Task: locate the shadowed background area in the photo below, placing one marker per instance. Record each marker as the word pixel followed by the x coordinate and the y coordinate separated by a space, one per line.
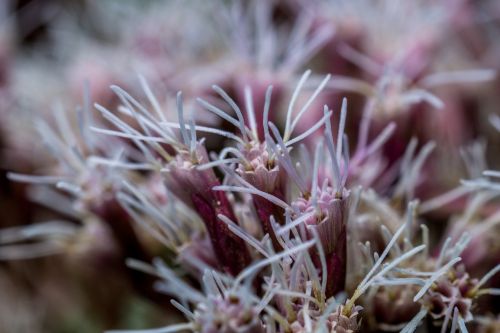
pixel 426 66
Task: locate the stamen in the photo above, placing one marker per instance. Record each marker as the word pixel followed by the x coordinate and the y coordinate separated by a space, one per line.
pixel 30 251
pixel 236 109
pixel 415 96
pixel 63 126
pixel 398 282
pixel 53 229
pixel 236 152
pixel 345 152
pixel 84 116
pixel 362 61
pixel 70 188
pixel 285 159
pixel 486 277
pixel 331 149
pixel 188 314
pixel 32 179
pixel 314 186
pixel 491 173
pixel 306 107
pixel 141 267
pixel 295 95
pixel 244 235
pixel 152 99
pixel 364 128
pixel 434 277
pixel 381 139
pixel 250 270
pixel 183 290
pixel 383 256
pixel 495 121
pixel 216 163
pixel 254 191
pixel 443 199
pixel 125 128
pixel 442 253
pixel 340 133
pixel 290 225
pixel 166 237
pixel 166 329
pixel 193 141
pixel 182 125
pixel 310 131
pixel 489 291
pixel 210 130
pixel 466 76
pixel 267 104
pixel 413 324
pixel 96 160
pixel 322 259
pixel 222 114
pixel 129 136
pixel 461 325
pixel 251 112
pixel 301 54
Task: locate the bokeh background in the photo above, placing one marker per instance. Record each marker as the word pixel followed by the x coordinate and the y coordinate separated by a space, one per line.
pixel 54 52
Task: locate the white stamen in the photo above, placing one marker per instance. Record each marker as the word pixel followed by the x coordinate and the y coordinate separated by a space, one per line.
pixel 96 160
pixel 383 256
pixel 31 179
pixel 188 314
pixel 30 251
pixel 310 130
pixel 166 329
pixel 415 96
pixel 235 107
pixel 216 163
pixel 443 199
pixel 267 105
pixel 244 235
pixel 69 187
pixel 362 61
pixel 251 112
pixel 331 149
pixel 210 130
pixel 434 277
pixel 222 114
pixel 193 140
pixel 465 76
pixel 381 139
pixel 285 158
pixel 461 325
pixel 127 135
pixel 314 186
pixel 413 324
pixel 295 95
pixel 125 128
pixel 489 291
pixel 255 191
pixel 487 276
pixel 306 107
pixel 340 134
pixel 398 282
pixel 250 270
pixel 495 121
pixel 180 112
pixel 182 289
pixel 491 173
pixel 290 225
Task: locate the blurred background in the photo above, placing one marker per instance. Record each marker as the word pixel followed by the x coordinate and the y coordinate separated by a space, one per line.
pixel 57 56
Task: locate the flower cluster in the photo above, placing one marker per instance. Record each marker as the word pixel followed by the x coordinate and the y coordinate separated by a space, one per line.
pixel 263 197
